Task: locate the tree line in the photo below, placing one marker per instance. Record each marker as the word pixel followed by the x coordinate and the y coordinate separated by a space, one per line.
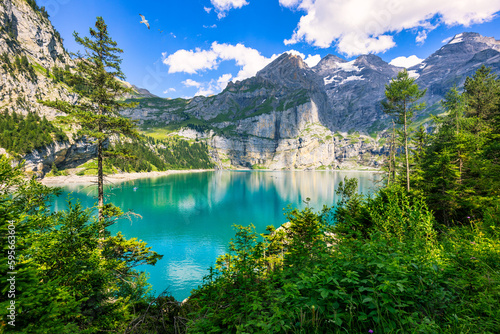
pixel 146 154
pixel 22 134
pixel 455 167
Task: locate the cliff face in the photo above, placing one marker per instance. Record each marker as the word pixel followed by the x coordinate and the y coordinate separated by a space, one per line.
pixel 27 32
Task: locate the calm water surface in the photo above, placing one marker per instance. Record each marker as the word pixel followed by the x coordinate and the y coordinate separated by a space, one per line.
pixel 188 217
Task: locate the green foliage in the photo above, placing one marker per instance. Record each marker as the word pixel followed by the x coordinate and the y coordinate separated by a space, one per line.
pixel 350 214
pixel 402 95
pixel 460 162
pixel 72 276
pixel 23 134
pixel 54 171
pixel 146 154
pixel 397 277
pixel 482 93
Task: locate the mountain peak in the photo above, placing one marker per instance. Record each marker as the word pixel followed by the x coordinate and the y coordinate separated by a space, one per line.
pixel 287 68
pixel 474 40
pixel 369 60
pixel 329 62
pixel 285 60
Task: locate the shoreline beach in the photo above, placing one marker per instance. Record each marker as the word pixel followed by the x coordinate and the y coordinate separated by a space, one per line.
pixel 113 178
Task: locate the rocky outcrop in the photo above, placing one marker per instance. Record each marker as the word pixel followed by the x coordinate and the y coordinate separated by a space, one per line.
pixel 28 33
pixel 61 154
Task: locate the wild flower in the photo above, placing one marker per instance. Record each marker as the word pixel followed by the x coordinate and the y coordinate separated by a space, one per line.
pixel 370 331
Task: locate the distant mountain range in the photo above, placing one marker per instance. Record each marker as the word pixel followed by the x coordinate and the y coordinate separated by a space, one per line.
pixel 269 119
pixel 287 116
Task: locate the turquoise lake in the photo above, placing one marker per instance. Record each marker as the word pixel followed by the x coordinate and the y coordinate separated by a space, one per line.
pixel 188 217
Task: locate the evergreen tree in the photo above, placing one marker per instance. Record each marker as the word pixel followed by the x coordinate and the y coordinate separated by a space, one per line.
pixel 401 96
pixel 482 93
pixel 96 81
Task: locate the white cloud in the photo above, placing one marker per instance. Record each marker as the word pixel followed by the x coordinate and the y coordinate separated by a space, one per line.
pixel 191 83
pixel 368 26
pixel 312 61
pixel 289 3
pixel 223 80
pixel 406 61
pixel 223 6
pixel 421 37
pixel 249 60
pixel 212 26
pixel 204 92
pixel 168 90
pixel 191 61
pixel 208 9
pixel 214 86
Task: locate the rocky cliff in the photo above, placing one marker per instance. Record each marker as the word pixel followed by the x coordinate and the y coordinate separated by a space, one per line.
pixel 27 33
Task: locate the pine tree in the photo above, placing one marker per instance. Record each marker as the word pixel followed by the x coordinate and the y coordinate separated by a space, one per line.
pixel 401 96
pixel 482 93
pixel 96 81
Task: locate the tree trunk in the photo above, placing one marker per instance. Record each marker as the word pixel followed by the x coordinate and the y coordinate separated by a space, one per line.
pixel 392 156
pixel 405 133
pixel 100 169
pixel 100 179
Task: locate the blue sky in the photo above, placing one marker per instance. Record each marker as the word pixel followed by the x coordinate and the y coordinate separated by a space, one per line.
pixel 194 47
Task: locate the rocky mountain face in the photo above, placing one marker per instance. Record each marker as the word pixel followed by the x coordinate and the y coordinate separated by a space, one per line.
pixel 293 116
pixel 354 90
pixel 26 32
pixel 452 63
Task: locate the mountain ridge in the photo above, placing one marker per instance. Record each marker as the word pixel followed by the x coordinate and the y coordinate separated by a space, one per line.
pixel 263 120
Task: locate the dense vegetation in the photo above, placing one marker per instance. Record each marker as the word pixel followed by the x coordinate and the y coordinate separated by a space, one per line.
pixel 70 275
pixel 22 134
pixel 146 154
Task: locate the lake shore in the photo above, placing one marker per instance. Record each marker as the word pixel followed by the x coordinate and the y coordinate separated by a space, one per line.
pixel 74 179
pixel 113 178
